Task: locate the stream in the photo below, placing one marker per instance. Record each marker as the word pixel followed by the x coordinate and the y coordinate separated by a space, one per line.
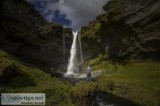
pixel 103 98
pixel 108 99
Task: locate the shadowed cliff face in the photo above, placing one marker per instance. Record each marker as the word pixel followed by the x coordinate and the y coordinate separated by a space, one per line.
pixel 25 34
pixel 128 30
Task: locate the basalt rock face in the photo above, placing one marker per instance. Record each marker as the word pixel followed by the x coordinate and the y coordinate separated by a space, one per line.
pixel 129 30
pixel 27 35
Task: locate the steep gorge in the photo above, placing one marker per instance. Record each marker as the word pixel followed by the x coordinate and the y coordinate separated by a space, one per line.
pixel 128 31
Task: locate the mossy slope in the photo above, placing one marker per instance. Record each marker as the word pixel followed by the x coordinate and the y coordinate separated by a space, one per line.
pixel 22 78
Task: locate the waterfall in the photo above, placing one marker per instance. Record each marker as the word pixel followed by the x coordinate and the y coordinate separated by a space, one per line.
pixel 75 55
pixel 72 61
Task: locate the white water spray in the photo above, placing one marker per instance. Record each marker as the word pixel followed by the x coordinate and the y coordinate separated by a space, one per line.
pixel 75 56
pixel 72 61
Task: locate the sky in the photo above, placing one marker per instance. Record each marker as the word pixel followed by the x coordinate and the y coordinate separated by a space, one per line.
pixel 70 13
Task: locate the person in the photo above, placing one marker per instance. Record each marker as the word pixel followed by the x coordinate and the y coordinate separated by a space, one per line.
pixel 88 72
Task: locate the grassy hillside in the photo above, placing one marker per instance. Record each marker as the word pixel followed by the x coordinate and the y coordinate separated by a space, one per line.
pixel 16 76
pixel 138 82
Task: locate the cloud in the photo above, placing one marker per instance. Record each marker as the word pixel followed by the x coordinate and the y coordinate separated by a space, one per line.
pixel 79 12
pixel 82 11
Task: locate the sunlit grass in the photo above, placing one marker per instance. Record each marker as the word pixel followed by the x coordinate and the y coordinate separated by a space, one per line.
pixel 138 82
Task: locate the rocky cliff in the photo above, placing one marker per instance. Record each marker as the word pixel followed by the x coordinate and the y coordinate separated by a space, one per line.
pixel 25 34
pixel 129 30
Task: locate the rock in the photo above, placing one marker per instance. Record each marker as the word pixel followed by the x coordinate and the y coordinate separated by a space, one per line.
pixel 129 30
pixel 61 68
pixel 30 38
pixel 70 76
pixel 57 74
pixel 8 74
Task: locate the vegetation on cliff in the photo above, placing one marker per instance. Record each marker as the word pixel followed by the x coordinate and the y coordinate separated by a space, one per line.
pixel 29 37
pixel 129 30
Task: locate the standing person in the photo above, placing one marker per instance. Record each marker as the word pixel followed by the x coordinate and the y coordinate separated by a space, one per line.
pixel 88 72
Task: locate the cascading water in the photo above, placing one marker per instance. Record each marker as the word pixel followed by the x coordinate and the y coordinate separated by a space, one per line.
pixel 72 61
pixel 75 52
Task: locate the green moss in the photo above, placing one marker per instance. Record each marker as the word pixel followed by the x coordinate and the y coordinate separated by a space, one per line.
pixel 68 32
pixel 91 31
pixel 29 79
pixel 105 83
pixel 49 27
pixel 49 31
pixel 100 63
pixel 92 63
pixel 116 9
pixel 84 93
pixel 83 89
pixel 102 18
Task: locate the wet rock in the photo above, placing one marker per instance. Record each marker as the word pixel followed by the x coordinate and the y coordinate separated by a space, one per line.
pixel 57 74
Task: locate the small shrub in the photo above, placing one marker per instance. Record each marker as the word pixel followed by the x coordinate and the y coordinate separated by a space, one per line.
pixel 105 84
pixel 84 89
pixel 84 93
